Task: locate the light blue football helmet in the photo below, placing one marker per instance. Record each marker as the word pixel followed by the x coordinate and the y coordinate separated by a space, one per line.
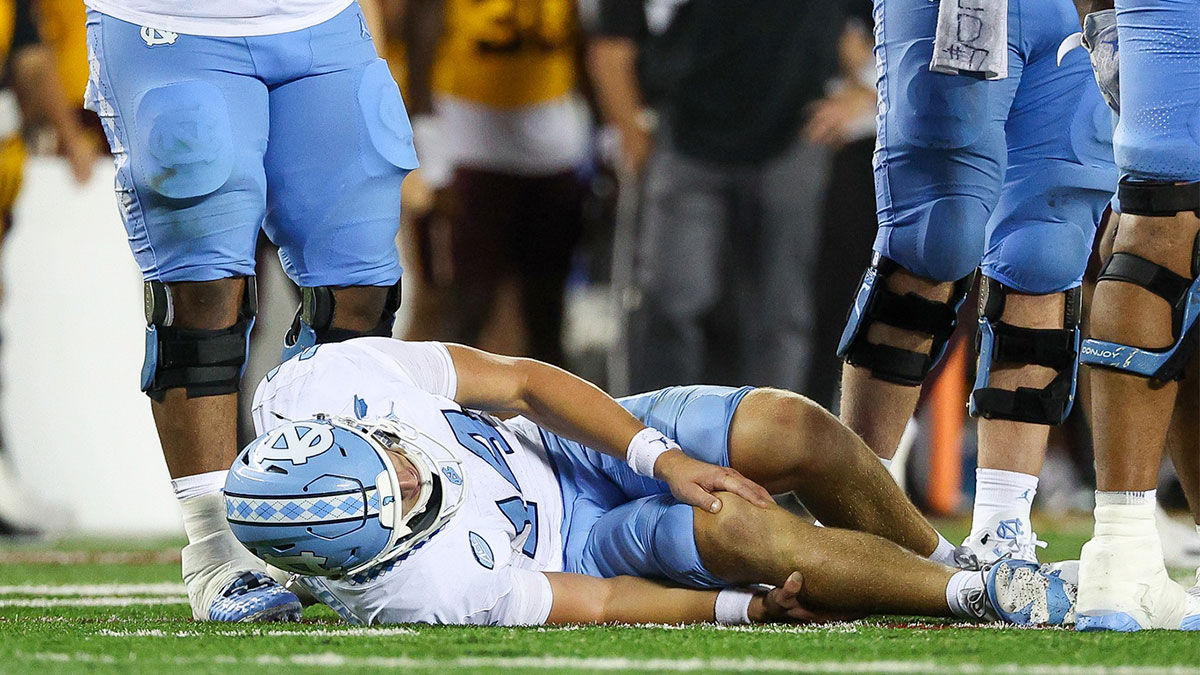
pixel 321 497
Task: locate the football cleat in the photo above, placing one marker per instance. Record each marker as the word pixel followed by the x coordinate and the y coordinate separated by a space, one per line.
pixel 1191 620
pixel 1124 587
pixel 255 597
pixel 1005 536
pixel 1022 593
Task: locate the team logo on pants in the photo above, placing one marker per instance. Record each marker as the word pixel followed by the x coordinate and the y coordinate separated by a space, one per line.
pixel 155 37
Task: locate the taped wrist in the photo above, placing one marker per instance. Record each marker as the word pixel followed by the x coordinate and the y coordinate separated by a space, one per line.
pixel 733 606
pixel 645 448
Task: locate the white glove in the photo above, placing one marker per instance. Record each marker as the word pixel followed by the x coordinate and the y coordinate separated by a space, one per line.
pixel 1099 38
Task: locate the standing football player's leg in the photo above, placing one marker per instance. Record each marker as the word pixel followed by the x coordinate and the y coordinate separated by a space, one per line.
pixel 787 443
pixel 1183 444
pixel 939 168
pixel 1060 179
pixel 1143 327
pixel 339 148
pixel 1183 437
pixel 187 126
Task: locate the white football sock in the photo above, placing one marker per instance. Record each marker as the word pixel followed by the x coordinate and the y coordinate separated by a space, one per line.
pixel 1002 492
pixel 199 485
pixel 963 587
pixel 1197 586
pixel 1126 513
pixel 213 555
pixel 944 553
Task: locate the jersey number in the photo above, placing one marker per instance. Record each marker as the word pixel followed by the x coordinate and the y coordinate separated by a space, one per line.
pixel 485 442
pixel 516 24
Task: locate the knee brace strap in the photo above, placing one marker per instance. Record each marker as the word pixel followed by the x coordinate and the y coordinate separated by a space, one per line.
pixel 1158 199
pixel 204 362
pixel 1056 348
pixel 875 303
pixel 314 320
pixel 1184 297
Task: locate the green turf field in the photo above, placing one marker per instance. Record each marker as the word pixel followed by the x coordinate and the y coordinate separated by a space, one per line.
pixel 118 607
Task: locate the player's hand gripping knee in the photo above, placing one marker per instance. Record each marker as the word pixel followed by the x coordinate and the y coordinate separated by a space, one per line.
pixel 694 482
pixel 782 605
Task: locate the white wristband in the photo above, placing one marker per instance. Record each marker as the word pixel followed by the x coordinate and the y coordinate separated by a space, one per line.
pixel 733 606
pixel 645 449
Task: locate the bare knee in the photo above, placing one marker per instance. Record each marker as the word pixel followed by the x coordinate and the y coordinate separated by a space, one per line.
pixel 206 305
pixel 787 432
pixel 359 308
pixel 723 538
pixel 744 543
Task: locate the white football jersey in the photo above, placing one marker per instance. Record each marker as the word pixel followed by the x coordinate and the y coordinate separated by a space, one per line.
pixel 485 566
pixel 222 18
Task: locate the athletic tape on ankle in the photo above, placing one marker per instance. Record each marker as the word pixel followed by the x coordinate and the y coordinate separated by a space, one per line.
pixel 199 485
pixel 733 606
pixel 645 448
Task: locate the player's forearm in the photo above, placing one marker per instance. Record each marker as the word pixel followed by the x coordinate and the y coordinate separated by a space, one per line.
pixel 612 64
pixel 424 21
pixel 40 92
pixel 583 599
pixel 576 409
pixel 553 398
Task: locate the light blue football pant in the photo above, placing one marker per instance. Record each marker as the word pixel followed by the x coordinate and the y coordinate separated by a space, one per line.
pixel 1158 136
pixel 1009 175
pixel 302 134
pixel 616 522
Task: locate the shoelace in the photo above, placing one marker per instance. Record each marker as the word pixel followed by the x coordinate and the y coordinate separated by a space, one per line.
pixel 1015 547
pixel 245 582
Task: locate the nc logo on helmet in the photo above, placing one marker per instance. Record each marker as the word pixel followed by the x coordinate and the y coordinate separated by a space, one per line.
pixel 295 443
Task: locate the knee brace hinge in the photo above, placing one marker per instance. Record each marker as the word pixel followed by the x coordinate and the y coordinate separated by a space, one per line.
pixel 314 319
pixel 1181 293
pixel 875 303
pixel 1056 348
pixel 204 362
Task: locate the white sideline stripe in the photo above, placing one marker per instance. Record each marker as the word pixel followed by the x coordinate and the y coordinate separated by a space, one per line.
pixel 95 589
pixel 320 632
pixel 100 601
pixel 330 659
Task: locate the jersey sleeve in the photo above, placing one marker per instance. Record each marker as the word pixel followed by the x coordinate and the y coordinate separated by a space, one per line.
pixel 427 364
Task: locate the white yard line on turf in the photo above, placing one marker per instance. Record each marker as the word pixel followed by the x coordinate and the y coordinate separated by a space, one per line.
pixel 100 601
pixel 94 589
pixel 329 659
pixel 318 632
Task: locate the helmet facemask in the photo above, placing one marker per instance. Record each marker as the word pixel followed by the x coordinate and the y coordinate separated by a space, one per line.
pixel 388 435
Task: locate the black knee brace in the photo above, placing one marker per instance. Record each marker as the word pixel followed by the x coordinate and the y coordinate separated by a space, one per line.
pixel 1056 348
pixel 875 303
pixel 1183 294
pixel 204 362
pixel 314 319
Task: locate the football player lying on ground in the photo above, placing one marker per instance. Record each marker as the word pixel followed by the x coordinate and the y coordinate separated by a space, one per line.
pixel 379 483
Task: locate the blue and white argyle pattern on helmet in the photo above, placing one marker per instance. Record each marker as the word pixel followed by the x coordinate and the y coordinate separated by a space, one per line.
pixel 307 496
pixel 289 510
